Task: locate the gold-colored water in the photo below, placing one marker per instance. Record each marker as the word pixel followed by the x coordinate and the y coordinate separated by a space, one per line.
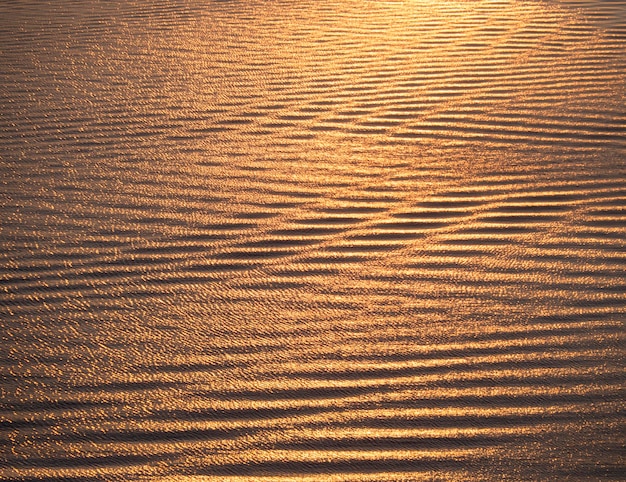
pixel 317 240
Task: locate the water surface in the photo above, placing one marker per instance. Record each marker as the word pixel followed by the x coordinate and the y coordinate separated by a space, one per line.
pixel 316 240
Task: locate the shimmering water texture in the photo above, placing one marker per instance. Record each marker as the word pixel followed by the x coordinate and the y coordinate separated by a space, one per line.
pixel 318 240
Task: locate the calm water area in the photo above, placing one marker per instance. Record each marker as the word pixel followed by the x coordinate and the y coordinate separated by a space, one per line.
pixel 321 240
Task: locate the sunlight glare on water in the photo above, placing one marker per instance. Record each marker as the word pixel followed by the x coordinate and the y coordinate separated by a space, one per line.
pixel 317 240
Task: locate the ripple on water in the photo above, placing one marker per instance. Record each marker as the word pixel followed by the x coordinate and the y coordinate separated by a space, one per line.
pixel 312 240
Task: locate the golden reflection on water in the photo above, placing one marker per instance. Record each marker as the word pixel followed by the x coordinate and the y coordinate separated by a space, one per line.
pixel 312 241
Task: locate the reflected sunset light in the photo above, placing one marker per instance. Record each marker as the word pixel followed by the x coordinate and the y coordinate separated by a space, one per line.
pixel 318 240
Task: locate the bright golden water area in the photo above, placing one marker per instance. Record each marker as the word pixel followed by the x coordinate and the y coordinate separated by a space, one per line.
pixel 318 240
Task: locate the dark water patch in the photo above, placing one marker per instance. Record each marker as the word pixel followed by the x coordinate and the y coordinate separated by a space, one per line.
pixel 58 478
pixel 197 237
pixel 577 317
pixel 121 386
pixel 300 137
pixel 271 107
pixel 380 123
pixel 556 198
pixel 334 220
pixel 606 223
pixel 54 405
pixel 475 241
pixel 443 214
pixel 386 236
pixel 532 208
pixel 616 274
pixel 279 243
pixel 366 131
pixel 593 303
pixel 34 424
pixel 569 244
pixel 296 117
pixel 534 381
pixel 340 466
pixel 149 436
pixel 369 200
pixel 302 194
pixel 307 231
pixel 454 253
pixel 257 215
pixel 305 393
pixel 593 472
pixel 519 219
pixel 411 225
pixel 234 122
pixel 360 248
pixel 513 400
pixel 306 271
pixel 498 230
pixel 576 259
pixel 353 210
pixel 599 234
pixel 324 128
pixel 399 116
pixel 272 286
pixel 228 226
pixel 396 443
pixel 189 367
pixel 272 126
pixel 172 249
pixel 237 414
pixel 450 204
pixel 221 267
pixel 210 130
pixel 117 460
pixel 382 189
pixel 481 421
pixel 258 132
pixel 335 260
pixel 252 255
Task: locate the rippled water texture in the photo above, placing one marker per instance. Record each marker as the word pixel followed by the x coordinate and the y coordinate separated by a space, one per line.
pixel 319 240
